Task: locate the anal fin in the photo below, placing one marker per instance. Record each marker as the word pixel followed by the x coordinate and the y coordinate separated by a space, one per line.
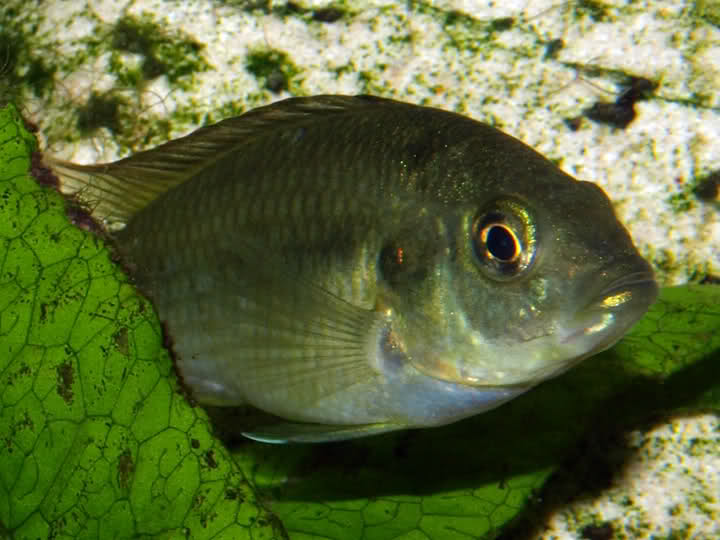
pixel 283 433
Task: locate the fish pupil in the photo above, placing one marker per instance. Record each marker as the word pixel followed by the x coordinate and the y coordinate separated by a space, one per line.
pixel 501 243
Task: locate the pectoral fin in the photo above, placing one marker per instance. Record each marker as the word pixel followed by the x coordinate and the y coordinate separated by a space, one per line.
pixel 271 339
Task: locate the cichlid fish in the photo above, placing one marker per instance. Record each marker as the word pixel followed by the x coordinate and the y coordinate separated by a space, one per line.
pixel 355 265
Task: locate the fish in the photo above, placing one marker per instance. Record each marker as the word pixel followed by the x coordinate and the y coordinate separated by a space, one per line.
pixel 354 265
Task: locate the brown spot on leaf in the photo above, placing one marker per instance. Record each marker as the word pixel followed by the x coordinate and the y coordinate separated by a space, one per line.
pixel 43 312
pixel 210 459
pixel 22 372
pixel 26 422
pixel 42 173
pixel 65 378
pixel 125 469
pixel 194 443
pixel 198 501
pixel 82 219
pixel 120 338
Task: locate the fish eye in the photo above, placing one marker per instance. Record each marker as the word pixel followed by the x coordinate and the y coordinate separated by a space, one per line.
pixel 501 242
pixel 504 241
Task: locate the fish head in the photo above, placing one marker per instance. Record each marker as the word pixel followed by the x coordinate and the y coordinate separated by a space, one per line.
pixel 533 273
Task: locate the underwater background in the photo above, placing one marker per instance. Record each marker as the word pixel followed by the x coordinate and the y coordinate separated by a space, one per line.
pixel 624 94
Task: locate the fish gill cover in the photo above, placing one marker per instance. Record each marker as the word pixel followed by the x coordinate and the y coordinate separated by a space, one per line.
pixel 96 441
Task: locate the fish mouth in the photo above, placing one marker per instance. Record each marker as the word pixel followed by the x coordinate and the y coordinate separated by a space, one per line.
pixel 613 311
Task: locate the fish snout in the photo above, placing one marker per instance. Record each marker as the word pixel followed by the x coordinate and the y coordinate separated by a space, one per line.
pixel 613 310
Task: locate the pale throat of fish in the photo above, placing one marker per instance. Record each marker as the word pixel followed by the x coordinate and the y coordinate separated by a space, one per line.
pixel 468 358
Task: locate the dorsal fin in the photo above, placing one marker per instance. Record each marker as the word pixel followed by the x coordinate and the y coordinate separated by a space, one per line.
pixel 115 191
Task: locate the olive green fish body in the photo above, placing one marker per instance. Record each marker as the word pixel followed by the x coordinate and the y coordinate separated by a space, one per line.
pixel 357 265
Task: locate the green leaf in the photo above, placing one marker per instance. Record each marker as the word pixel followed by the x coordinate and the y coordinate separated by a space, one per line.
pixel 96 440
pixel 470 479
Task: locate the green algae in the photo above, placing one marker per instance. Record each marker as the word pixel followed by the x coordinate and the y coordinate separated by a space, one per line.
pixel 274 69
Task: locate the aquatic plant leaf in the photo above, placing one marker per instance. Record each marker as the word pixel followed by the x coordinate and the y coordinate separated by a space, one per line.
pixel 96 441
pixel 470 479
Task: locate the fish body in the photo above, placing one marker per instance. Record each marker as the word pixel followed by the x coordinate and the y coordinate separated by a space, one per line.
pixel 353 265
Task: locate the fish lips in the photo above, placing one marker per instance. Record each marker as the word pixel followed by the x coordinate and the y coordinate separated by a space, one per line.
pixel 612 311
